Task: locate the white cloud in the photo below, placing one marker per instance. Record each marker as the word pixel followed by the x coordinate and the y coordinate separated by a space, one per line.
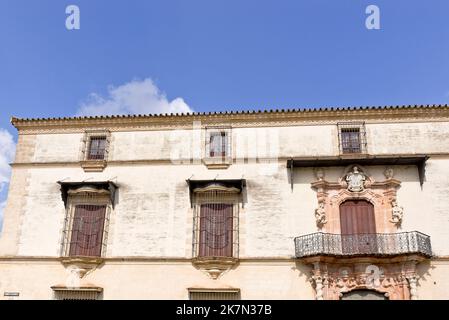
pixel 135 97
pixel 2 206
pixel 7 150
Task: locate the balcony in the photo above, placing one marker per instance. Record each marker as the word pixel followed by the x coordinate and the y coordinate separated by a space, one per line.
pixel 356 245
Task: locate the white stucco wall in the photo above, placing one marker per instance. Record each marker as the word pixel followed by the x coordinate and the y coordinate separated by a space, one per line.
pixel 296 141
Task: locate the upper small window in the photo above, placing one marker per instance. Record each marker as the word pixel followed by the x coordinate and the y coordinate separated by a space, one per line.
pixel 352 138
pixel 97 148
pixel 218 144
pixel 218 152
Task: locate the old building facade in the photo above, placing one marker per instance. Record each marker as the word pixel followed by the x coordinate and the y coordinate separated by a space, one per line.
pixel 283 204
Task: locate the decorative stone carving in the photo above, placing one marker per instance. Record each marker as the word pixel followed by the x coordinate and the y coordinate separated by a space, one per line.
pixel 355 180
pixel 320 215
pixel 389 173
pixel 333 193
pixel 214 267
pixel 374 273
pixel 396 213
pixel 319 174
pixel 319 294
pixel 332 279
pixel 79 267
pixel 413 281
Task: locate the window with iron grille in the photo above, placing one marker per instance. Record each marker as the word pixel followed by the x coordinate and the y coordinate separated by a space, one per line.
pixel 77 294
pixel 86 224
pixel 204 294
pixel 352 137
pixel 97 148
pixel 216 224
pixel 216 230
pixel 218 142
pixel 87 230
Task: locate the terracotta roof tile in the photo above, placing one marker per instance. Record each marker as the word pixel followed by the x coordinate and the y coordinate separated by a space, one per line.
pixel 15 120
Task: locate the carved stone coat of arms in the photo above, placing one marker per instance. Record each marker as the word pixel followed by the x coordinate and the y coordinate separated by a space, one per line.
pixel 355 180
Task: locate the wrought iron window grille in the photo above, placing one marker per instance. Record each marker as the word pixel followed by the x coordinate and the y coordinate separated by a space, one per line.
pixel 352 138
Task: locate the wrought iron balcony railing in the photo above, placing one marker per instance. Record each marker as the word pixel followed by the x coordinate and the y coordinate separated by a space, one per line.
pixel 378 244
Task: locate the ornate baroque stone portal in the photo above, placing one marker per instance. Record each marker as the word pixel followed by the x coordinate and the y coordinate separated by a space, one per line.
pixel 356 183
pixel 332 277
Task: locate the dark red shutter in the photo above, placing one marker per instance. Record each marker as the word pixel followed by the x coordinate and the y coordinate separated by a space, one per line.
pixel 211 145
pixel 87 230
pixel 358 227
pixel 224 144
pixel 216 230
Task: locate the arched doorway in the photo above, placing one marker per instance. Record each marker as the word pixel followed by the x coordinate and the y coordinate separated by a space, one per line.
pixel 363 295
pixel 358 227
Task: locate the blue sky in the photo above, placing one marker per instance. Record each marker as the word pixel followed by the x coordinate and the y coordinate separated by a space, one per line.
pixel 219 55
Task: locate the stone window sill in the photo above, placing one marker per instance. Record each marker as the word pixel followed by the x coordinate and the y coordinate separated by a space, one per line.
pixel 217 163
pixel 93 165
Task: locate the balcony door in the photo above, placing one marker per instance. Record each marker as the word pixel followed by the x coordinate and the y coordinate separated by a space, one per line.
pixel 358 227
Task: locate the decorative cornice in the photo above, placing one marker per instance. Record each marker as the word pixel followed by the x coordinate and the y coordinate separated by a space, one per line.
pixel 26 259
pixel 185 161
pixel 282 117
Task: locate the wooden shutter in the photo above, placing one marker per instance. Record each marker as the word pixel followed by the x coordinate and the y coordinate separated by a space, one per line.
pixel 356 217
pixel 224 143
pixel 212 145
pixel 358 227
pixel 87 230
pixel 216 230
